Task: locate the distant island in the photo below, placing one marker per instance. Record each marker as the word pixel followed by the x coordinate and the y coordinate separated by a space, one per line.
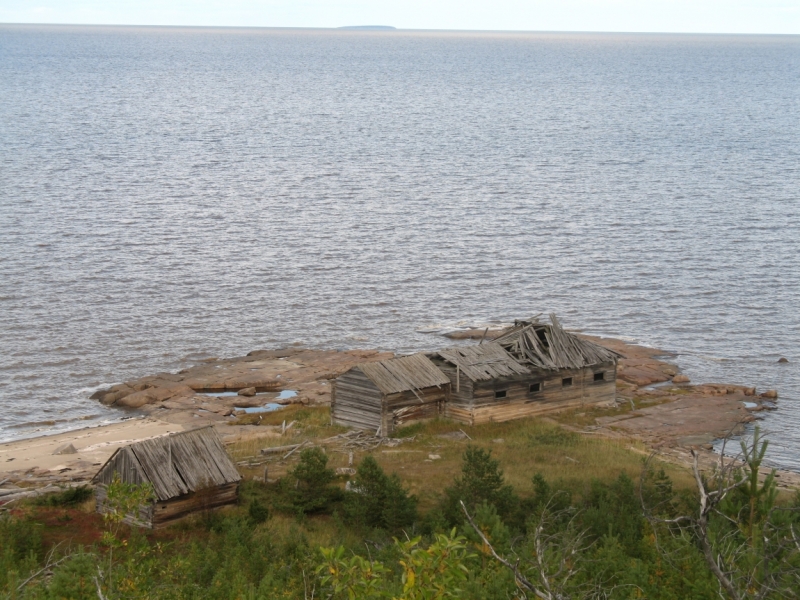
pixel 370 27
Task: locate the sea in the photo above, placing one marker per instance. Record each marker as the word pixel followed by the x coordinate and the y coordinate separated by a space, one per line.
pixel 171 194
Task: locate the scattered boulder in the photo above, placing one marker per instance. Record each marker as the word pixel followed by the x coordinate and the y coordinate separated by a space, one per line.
pixel 473 334
pixel 680 378
pixel 153 395
pixel 248 402
pixel 433 457
pixel 135 400
pixel 109 398
pixel 261 383
pixel 770 394
pixel 67 449
pixel 783 359
pixel 250 391
pixel 750 391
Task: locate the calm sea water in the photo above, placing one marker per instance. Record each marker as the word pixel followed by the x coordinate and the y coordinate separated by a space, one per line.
pixel 169 194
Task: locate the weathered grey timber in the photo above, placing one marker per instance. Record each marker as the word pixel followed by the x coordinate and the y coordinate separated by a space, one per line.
pixel 189 471
pixel 380 396
pixel 548 346
pixel 531 368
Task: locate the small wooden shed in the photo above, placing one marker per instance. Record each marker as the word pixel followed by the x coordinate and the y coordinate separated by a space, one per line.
pixel 381 396
pixel 531 368
pixel 190 471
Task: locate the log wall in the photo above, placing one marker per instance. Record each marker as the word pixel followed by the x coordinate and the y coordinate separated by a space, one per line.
pixel 460 385
pixel 161 514
pixel 165 513
pixel 407 407
pixel 520 402
pixel 356 401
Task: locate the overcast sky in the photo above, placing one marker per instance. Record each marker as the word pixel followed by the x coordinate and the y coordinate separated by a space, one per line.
pixel 708 16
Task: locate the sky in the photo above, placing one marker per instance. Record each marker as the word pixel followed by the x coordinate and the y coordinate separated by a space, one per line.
pixel 690 16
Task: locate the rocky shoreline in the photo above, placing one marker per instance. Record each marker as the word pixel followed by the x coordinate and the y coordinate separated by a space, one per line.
pixel 655 404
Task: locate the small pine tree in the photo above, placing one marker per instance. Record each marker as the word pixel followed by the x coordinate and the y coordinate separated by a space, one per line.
pixel 257 512
pixel 309 483
pixel 379 500
pixel 481 482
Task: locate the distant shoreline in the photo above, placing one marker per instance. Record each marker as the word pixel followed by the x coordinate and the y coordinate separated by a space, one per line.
pixel 369 28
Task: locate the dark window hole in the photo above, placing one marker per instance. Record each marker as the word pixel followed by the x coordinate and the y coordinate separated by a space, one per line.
pixel 566 382
pixel 599 376
pixel 535 387
pixel 500 394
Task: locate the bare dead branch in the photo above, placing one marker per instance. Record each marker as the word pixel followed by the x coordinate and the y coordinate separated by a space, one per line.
pixel 518 577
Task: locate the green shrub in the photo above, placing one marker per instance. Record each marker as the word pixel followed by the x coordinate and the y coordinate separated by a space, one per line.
pixel 614 510
pixel 257 512
pixel 20 548
pixel 308 488
pixel 378 500
pixel 75 579
pixel 68 497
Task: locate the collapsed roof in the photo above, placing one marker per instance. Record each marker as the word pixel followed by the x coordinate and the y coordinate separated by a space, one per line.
pixel 548 346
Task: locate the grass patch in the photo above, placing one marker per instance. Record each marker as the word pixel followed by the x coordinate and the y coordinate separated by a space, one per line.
pixel 523 447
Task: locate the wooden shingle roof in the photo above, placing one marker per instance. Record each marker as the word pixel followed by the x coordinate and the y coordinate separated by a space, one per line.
pixel 407 373
pixel 548 346
pixel 175 464
pixel 484 361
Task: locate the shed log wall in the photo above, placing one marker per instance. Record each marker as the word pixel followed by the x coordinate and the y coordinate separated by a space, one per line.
pixel 407 407
pixel 356 401
pixel 161 514
pixel 201 500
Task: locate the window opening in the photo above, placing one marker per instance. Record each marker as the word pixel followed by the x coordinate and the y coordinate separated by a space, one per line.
pixel 535 387
pixel 599 376
pixel 500 394
pixel 566 382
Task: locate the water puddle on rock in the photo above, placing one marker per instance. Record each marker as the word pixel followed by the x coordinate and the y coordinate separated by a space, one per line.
pixel 268 407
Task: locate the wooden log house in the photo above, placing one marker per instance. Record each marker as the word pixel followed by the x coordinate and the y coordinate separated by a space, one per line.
pixel 189 471
pixel 381 396
pixel 531 368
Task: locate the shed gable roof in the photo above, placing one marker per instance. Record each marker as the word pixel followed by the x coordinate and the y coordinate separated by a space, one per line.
pixel 407 373
pixel 548 346
pixel 484 361
pixel 179 463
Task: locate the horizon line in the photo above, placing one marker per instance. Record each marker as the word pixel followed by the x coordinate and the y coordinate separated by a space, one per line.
pixel 389 30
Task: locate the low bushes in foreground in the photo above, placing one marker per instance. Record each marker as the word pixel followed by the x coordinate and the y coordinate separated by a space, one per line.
pixel 307 538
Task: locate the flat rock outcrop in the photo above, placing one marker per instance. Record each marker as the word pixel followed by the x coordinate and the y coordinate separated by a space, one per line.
pixel 242 382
